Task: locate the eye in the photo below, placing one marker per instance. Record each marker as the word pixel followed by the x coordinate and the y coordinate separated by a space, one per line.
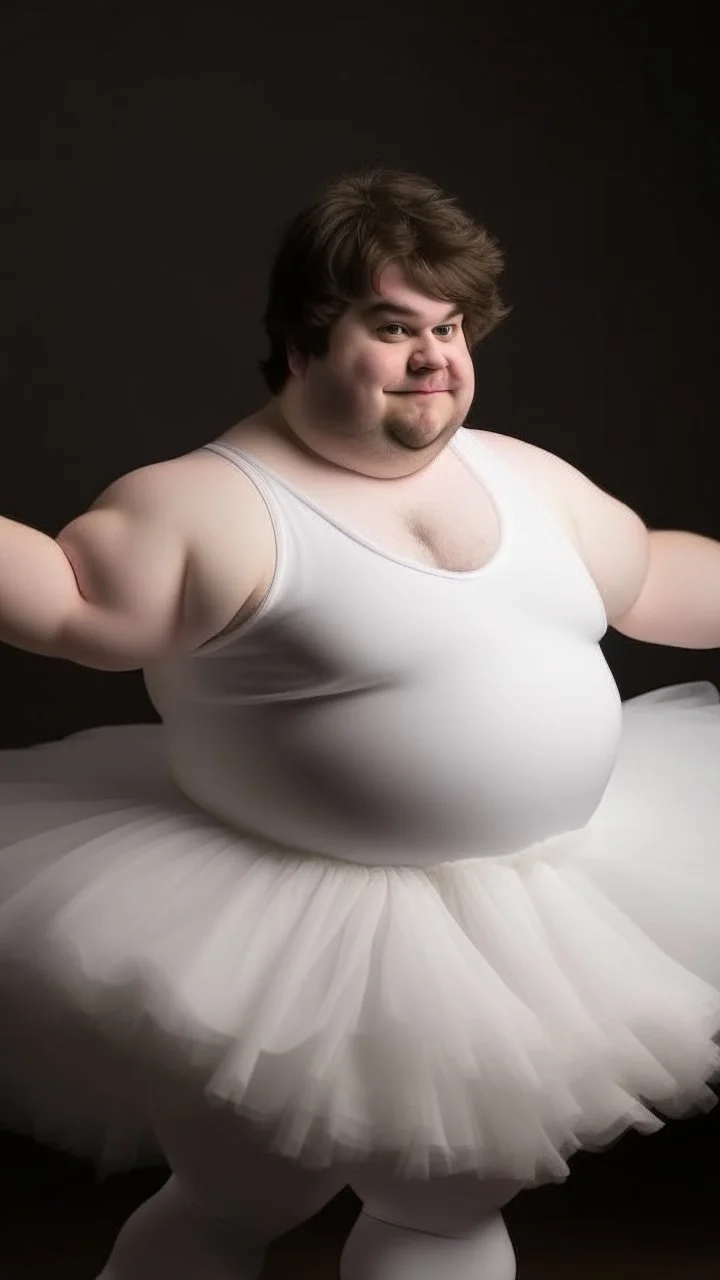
pixel 396 325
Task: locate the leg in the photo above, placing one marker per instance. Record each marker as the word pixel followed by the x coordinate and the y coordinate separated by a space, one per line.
pixel 414 1230
pixel 226 1200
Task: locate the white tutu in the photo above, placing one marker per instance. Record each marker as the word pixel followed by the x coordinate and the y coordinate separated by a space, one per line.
pixel 491 1014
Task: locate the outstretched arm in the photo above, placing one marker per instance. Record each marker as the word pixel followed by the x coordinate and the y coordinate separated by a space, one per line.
pixel 658 585
pixel 37 588
pixel 107 592
pixel 131 581
pixel 679 604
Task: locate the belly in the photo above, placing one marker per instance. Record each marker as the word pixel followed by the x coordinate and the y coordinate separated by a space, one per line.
pixel 457 767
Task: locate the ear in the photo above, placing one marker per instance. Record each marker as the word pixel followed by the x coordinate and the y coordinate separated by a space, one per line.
pixel 297 362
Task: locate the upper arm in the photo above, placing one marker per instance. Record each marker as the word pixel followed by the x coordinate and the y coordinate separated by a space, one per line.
pixel 129 558
pixel 615 544
pixel 611 537
pixel 164 561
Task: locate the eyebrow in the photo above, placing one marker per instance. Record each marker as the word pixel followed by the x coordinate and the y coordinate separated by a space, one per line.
pixel 385 307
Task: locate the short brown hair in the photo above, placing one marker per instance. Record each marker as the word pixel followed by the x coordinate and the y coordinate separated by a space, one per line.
pixel 334 250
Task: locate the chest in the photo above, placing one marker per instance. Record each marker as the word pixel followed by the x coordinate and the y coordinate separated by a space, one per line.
pixel 442 517
pixel 450 523
pixel 445 518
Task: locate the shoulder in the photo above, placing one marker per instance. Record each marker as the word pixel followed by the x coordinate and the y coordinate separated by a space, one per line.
pixel 195 496
pixel 161 486
pixel 550 475
pixel 611 537
pixel 534 462
pixel 200 505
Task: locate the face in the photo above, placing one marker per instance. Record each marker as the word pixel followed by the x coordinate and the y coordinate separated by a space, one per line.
pixel 394 387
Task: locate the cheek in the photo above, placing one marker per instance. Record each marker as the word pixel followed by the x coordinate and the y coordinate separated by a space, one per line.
pixel 376 369
pixel 464 368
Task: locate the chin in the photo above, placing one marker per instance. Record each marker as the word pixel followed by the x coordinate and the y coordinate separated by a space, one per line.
pixel 415 439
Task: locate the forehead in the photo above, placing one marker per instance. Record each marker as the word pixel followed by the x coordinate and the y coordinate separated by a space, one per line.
pixel 395 293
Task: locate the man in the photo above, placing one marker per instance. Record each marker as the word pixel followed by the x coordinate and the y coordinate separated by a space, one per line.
pixel 378 294
pixel 172 554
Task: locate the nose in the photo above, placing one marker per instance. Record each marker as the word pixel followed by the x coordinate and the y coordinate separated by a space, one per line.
pixel 428 354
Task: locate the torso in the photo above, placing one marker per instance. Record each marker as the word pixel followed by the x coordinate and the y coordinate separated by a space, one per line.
pixel 442 516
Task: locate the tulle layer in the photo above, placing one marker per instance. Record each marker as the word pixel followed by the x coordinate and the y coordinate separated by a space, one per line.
pixel 492 1015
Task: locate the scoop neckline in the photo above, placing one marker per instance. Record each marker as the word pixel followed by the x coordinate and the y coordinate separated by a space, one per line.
pixel 360 538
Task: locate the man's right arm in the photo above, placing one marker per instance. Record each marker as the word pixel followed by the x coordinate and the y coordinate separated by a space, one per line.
pixel 115 589
pixel 37 588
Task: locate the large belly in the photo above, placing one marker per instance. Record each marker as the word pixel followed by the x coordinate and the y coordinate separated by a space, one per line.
pixel 452 766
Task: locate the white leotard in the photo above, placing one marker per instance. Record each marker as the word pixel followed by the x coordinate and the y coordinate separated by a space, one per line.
pixel 383 711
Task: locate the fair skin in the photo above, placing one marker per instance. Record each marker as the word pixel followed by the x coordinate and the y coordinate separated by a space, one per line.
pixel 171 554
pixel 383 403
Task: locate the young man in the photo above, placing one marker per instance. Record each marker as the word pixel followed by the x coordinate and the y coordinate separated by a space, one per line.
pixel 416 929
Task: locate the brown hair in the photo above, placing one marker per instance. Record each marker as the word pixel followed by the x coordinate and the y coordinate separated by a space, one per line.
pixel 334 250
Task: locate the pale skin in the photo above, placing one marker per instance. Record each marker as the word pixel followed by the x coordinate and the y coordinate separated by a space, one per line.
pixel 171 554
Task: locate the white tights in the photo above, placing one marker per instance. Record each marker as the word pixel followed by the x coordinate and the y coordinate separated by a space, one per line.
pixel 228 1198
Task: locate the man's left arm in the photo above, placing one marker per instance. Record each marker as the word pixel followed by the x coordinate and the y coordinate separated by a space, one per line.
pixel 679 601
pixel 657 585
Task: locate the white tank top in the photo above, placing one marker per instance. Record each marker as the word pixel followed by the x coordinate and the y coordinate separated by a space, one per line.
pixel 383 711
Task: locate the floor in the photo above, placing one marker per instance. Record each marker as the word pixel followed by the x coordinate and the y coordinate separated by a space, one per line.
pixel 635 1213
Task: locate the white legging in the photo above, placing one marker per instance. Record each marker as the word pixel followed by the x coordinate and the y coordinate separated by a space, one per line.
pixel 228 1198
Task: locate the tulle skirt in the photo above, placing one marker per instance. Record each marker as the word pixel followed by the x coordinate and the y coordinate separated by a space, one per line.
pixel 488 1015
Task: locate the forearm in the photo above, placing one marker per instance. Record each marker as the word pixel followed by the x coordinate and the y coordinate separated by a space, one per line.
pixel 680 602
pixel 37 588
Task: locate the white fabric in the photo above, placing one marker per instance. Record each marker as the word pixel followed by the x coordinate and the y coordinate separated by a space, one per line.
pixel 169 1236
pixel 376 1250
pixel 460 1010
pixel 381 711
pixel 228 1198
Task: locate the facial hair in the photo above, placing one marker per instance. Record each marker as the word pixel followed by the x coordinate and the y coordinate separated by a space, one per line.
pixel 413 431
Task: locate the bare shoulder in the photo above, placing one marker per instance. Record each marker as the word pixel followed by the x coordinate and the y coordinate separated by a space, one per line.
pixel 535 462
pixel 549 476
pixel 198 497
pixel 549 468
pixel 183 486
pixel 209 509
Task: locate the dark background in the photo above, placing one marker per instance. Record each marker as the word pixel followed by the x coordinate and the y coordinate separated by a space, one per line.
pixel 151 155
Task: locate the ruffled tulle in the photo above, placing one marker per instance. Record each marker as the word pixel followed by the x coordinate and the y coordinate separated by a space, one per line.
pixel 491 1014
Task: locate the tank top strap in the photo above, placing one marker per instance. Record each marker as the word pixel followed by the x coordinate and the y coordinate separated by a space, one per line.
pixel 536 533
